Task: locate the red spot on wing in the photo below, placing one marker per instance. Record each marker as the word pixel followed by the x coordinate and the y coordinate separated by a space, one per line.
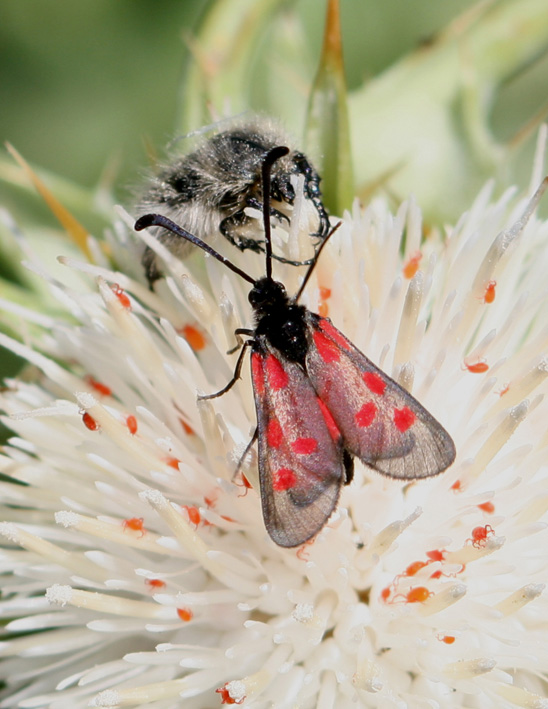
pixel 257 373
pixel 329 421
pixel 328 350
pixel 404 418
pixel 284 479
pixel 304 446
pixel 274 434
pixel 277 377
pixel 334 334
pixel 366 415
pixel 374 382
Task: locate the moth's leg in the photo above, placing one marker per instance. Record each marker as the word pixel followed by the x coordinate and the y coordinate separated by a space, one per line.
pixel 235 377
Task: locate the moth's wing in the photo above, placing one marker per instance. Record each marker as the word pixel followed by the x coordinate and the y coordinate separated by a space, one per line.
pixel 380 422
pixel 301 466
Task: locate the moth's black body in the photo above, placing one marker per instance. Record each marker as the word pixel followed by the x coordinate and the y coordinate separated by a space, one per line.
pixel 208 190
pixel 320 402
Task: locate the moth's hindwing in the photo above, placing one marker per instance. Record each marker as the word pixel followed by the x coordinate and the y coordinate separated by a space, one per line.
pixel 380 422
pixel 300 449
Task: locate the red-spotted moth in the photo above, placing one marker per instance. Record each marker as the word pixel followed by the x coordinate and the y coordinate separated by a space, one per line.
pixel 319 402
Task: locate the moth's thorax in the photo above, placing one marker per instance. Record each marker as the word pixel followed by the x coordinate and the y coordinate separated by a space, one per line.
pixel 278 320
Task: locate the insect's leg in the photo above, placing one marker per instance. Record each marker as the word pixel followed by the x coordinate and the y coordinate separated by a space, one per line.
pixel 313 193
pixel 240 331
pixel 228 228
pixel 348 462
pixel 255 203
pixel 150 264
pixel 235 377
pixel 246 451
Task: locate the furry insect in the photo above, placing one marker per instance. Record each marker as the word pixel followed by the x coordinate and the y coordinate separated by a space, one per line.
pixel 320 402
pixel 208 190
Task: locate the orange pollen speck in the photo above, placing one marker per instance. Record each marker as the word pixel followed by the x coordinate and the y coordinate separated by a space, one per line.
pixel 323 309
pixel 131 423
pixel 479 536
pixel 122 296
pixel 155 583
pixel 89 422
pixel 173 462
pixel 186 428
pixel 414 568
pixel 194 337
pixel 185 614
pixel 136 524
pixel 225 696
pixel 489 295
pixel 436 555
pixel 419 594
pixel 477 368
pixel 385 594
pixel 456 486
pixel 99 387
pixel 411 266
pixel 488 507
pixel 194 515
pixel 448 639
pixel 325 293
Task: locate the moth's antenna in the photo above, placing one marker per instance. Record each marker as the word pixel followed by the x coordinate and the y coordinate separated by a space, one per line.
pixel 148 220
pixel 314 262
pixel 270 159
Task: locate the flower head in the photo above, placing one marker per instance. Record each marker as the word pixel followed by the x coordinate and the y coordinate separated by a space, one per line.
pixel 138 572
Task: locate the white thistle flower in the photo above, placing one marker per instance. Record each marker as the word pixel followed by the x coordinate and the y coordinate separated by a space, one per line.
pixel 137 573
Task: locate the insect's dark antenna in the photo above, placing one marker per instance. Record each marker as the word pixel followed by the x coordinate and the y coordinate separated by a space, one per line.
pixel 314 262
pixel 270 159
pixel 148 220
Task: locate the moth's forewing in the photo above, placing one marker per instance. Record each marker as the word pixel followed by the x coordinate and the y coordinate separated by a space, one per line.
pixel 300 449
pixel 380 422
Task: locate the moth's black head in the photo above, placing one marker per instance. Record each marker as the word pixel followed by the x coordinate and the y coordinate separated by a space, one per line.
pixel 267 296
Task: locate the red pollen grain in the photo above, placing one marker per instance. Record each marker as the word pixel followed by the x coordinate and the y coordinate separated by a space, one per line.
pixel 366 415
pixel 404 418
pixel 328 350
pixel 155 583
pixel 194 337
pixel 257 373
pixel 173 463
pixel 436 555
pixel 489 295
pixel 323 309
pixel 488 507
pixel 334 334
pixel 274 433
pixel 304 446
pixel 131 423
pixel 194 515
pixel 186 428
pixel 374 383
pixel 325 293
pixel 385 593
pixel 478 367
pixel 418 594
pixel 283 479
pixel 456 486
pixel 225 696
pixel 479 536
pixel 414 568
pixel 411 266
pixel 135 524
pixel 277 377
pixel 99 387
pixel 89 422
pixel 329 421
pixel 185 614
pixel 436 574
pixel 122 296
pixel 448 639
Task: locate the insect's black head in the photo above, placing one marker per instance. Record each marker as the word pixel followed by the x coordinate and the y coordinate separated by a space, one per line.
pixel 267 296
